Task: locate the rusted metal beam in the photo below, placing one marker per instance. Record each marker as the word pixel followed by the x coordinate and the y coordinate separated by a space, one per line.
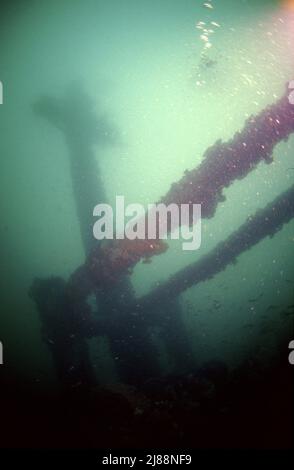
pixel 223 163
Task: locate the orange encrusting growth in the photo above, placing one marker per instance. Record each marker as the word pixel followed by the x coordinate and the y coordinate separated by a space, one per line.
pixel 113 258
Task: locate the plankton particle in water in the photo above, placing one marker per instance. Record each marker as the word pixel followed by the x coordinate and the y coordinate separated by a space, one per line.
pixel 208 5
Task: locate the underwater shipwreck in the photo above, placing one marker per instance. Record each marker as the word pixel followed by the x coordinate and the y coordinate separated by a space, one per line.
pixel 197 407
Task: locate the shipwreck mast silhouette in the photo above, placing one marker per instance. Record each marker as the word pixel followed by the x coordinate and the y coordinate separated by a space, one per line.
pixel 130 341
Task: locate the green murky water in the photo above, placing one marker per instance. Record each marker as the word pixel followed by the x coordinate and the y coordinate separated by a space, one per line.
pixel 172 77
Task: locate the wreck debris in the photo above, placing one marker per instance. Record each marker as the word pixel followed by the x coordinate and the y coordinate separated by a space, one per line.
pixel 223 163
pixel 266 222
